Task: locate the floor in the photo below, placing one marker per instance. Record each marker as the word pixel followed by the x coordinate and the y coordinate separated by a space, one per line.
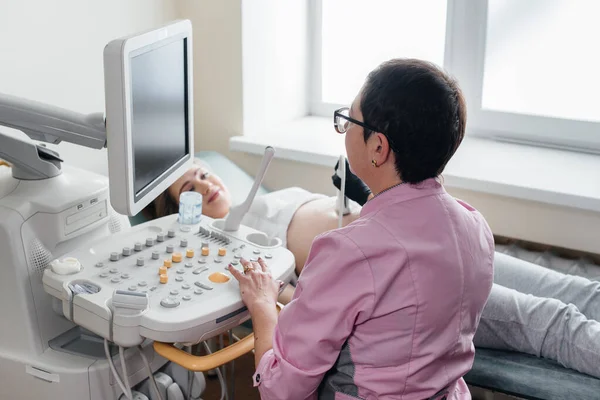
pixel 243 389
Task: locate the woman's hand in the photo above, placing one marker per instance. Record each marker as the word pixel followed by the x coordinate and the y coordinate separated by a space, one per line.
pixel 257 286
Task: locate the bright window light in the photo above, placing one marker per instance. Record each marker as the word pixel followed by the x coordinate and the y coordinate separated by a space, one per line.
pixel 358 35
pixel 542 58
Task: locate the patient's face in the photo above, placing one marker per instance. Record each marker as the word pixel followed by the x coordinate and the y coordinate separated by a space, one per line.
pixel 216 199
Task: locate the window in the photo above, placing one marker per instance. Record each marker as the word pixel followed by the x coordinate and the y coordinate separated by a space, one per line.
pixel 529 69
pixel 408 27
pixel 542 58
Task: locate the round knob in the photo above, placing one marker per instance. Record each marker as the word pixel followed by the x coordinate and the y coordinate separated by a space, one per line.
pixel 115 280
pixel 149 242
pixel 167 263
pixel 114 256
pixel 222 251
pixel 189 265
pixel 268 256
pixel 164 278
pixel 137 247
pixel 178 279
pixel 170 248
pixel 171 233
pixel 187 297
pixel 183 243
pixel 162 270
pixel 176 257
pixel 189 253
pixel 174 292
pixel 65 266
pixel 140 261
pixel 155 255
pixel 99 264
pixel 126 251
pixel 205 251
pixel 160 237
pixel 169 302
pixel 256 251
pixel 181 271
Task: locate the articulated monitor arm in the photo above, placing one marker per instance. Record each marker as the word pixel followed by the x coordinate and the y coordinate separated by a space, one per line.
pixel 45 123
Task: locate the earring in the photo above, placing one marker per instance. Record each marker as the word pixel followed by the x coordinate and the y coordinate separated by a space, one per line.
pixel 374 163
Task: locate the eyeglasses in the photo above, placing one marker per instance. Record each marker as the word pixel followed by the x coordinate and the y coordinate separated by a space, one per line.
pixel 342 118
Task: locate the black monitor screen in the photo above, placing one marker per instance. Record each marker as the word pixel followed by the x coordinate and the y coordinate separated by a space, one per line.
pixel 159 113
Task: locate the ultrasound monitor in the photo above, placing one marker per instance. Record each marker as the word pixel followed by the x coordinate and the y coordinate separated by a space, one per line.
pixel 149 114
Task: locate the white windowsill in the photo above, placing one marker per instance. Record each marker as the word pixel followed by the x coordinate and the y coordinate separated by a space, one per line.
pixel 524 172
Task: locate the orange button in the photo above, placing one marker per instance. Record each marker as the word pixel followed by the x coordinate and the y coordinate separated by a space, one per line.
pixel 189 253
pixel 176 257
pixel 222 251
pixel 162 270
pixel 218 277
pixel 205 251
pixel 164 278
pixel 167 263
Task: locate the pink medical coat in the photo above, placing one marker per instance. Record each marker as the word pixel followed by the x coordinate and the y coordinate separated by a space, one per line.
pixel 386 307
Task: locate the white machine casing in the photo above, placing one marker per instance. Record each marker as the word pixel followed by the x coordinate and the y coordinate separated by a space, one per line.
pixel 118 96
pixel 40 220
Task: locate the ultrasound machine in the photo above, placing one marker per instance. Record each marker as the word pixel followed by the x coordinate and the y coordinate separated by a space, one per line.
pixel 91 306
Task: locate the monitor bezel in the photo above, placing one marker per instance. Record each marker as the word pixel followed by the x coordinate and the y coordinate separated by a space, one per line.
pixel 118 94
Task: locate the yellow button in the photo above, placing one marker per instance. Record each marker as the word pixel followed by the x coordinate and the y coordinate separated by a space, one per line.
pixel 176 257
pixel 164 278
pixel 167 263
pixel 162 270
pixel 218 277
pixel 205 251
pixel 189 253
pixel 222 251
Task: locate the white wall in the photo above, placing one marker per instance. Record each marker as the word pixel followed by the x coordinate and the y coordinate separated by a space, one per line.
pixel 275 41
pixel 51 51
pixel 218 91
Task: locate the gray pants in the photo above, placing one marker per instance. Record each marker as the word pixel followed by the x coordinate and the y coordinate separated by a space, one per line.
pixel 535 310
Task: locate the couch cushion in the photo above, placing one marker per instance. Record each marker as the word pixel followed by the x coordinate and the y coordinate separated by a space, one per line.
pixel 529 377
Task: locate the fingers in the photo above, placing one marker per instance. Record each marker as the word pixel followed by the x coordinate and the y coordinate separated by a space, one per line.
pixel 236 274
pixel 247 265
pixel 263 265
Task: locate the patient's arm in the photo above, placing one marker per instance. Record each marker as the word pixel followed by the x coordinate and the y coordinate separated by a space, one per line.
pixel 312 219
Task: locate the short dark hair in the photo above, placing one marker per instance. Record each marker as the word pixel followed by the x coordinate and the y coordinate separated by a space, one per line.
pixel 421 110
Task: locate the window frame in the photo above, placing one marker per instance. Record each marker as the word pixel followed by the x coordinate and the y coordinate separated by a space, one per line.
pixel 464 58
